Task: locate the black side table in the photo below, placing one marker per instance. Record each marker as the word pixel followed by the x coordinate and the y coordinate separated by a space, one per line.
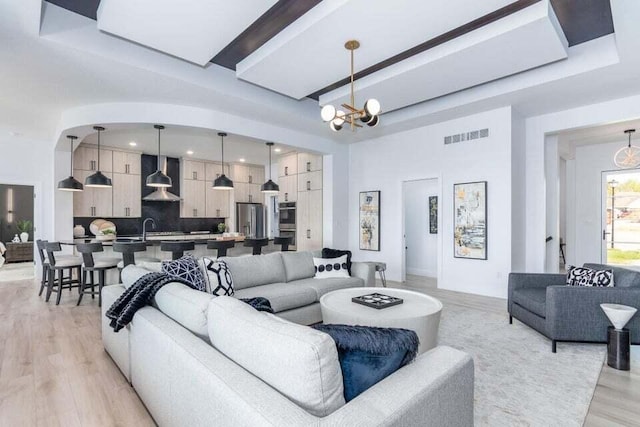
pixel 618 348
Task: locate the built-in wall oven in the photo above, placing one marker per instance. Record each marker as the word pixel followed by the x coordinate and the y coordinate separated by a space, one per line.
pixel 287 222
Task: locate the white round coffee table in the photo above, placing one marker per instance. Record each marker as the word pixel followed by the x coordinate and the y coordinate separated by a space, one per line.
pixel 419 312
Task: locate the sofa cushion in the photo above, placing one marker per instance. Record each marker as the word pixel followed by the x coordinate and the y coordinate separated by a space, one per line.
pixel 218 275
pixel 623 277
pixel 336 253
pixel 298 265
pixel 282 296
pixel 326 268
pixel 131 273
pixel 300 362
pixel 256 270
pixel 323 286
pixel 186 306
pixel 533 299
pixel 584 276
pixel 186 268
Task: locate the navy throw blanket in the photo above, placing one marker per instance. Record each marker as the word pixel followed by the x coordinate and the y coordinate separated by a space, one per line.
pixel 368 355
pixel 145 288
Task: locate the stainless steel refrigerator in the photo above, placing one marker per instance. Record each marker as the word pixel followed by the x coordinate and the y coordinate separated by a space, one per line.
pixel 251 220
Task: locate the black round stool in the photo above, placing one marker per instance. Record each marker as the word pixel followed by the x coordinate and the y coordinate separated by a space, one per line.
pixel 177 248
pixel 284 243
pixel 221 246
pixel 256 244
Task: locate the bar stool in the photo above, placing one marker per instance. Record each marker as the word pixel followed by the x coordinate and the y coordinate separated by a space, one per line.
pixel 177 248
pixel 284 243
pixel 256 244
pixel 44 263
pixel 221 246
pixel 128 250
pixel 91 266
pixel 57 268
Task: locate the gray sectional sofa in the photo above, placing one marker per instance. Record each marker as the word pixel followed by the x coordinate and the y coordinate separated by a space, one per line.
pixel 572 313
pixel 197 360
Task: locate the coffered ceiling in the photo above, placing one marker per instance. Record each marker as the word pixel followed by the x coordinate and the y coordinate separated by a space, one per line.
pixel 411 50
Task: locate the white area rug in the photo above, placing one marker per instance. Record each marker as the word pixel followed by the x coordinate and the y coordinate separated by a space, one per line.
pixel 18 271
pixel 518 381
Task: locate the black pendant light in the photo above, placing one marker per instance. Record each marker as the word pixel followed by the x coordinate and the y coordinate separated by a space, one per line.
pixel 70 184
pixel 270 187
pixel 98 179
pixel 222 182
pixel 158 178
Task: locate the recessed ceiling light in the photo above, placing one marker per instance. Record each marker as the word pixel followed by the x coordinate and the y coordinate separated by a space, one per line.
pixel 277 150
pixel 189 152
pixel 243 160
pixel 133 143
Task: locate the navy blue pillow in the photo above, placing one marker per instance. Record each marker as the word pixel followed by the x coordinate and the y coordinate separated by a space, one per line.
pixel 368 355
pixel 337 253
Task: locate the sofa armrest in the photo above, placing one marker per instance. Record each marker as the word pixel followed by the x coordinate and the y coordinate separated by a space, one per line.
pixel 532 280
pixel 364 270
pixel 435 390
pixel 116 344
pixel 574 313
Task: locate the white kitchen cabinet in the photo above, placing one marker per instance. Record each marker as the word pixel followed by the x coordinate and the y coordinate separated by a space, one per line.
pixel 288 188
pixel 193 198
pixel 127 195
pixel 288 165
pixel 86 158
pixel 217 203
pixel 251 174
pixel 309 220
pixel 92 202
pixel 310 181
pixel 308 162
pixel 193 170
pixel 213 171
pixel 127 162
pixel 247 193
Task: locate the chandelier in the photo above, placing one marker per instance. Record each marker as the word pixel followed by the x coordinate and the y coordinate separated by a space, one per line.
pixel 367 115
pixel 628 157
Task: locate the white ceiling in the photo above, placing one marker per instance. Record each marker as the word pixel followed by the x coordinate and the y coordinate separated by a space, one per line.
pixel 176 141
pixel 608 133
pixel 310 55
pixel 524 40
pixel 194 30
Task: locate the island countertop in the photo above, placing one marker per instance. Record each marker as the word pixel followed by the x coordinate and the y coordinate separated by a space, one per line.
pixel 155 238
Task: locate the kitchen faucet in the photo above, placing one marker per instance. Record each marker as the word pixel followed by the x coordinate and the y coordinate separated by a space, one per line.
pixel 144 227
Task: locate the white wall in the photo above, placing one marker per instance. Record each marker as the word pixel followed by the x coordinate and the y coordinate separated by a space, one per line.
pixel 28 162
pixel 384 163
pixel 518 192
pixel 590 162
pixel 422 246
pixel 552 180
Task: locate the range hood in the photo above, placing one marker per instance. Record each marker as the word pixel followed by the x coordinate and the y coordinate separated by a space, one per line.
pixel 162 194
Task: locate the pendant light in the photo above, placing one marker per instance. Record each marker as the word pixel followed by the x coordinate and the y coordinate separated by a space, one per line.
pixel 270 187
pixel 222 182
pixel 70 184
pixel 158 178
pixel 628 157
pixel 98 179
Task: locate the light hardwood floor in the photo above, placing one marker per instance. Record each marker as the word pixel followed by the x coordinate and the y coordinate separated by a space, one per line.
pixel 54 371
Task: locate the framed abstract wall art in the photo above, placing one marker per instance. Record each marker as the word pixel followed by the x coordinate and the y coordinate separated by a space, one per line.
pixel 470 220
pixel 369 220
pixel 433 214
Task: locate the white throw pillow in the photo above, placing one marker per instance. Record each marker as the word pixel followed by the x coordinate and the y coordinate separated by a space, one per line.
pixel 218 275
pixel 298 361
pixel 331 267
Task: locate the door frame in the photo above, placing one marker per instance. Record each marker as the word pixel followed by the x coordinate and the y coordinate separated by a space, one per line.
pixel 38 217
pixel 403 241
pixel 603 206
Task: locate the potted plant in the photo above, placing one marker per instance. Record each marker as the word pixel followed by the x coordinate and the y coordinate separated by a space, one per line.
pixel 24 227
pixel 108 234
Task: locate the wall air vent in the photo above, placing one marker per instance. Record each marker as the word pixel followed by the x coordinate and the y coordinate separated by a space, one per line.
pixel 466 136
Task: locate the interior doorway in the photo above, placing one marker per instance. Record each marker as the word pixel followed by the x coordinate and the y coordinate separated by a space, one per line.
pixel 16 231
pixel 621 217
pixel 420 230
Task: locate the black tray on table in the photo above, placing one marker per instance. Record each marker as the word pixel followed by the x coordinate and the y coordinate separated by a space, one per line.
pixel 378 301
